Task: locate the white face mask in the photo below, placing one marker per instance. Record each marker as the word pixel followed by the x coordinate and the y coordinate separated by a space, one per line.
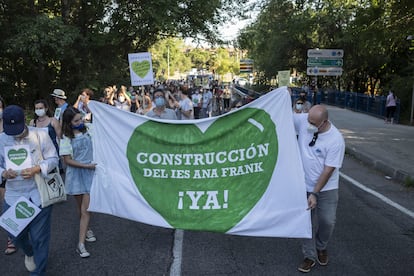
pixel 121 99
pixel 299 106
pixel 312 128
pixel 40 112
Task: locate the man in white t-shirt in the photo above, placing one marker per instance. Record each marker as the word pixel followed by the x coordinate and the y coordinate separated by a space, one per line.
pixel 322 150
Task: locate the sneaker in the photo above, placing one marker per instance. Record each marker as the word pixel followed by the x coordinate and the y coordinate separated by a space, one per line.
pixel 90 236
pixel 322 257
pixel 82 251
pixel 306 265
pixel 29 263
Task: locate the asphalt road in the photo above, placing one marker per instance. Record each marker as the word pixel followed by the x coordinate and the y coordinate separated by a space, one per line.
pixel 371 238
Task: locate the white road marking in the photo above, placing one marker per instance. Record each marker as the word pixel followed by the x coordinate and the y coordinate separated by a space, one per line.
pixel 175 269
pixel 378 195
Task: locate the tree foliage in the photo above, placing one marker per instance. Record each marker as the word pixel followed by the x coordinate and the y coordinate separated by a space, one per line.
pixel 372 33
pixel 73 44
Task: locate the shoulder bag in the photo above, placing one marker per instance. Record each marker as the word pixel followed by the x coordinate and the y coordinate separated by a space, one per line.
pixel 51 188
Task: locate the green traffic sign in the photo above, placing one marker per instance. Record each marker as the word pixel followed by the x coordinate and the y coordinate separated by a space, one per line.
pixel 328 62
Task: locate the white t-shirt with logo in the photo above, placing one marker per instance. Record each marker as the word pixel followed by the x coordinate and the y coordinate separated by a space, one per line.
pixel 328 150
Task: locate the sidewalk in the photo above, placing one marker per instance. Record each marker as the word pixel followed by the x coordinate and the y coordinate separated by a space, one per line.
pixel 388 148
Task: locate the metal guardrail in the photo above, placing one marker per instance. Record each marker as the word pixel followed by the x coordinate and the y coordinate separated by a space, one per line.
pixel 359 102
pixel 374 106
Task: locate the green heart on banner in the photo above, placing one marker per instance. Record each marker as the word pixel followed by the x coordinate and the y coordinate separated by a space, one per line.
pixel 23 211
pixel 141 68
pixel 17 156
pixel 205 180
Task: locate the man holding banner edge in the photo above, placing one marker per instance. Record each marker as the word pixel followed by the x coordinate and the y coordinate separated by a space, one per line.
pixel 322 150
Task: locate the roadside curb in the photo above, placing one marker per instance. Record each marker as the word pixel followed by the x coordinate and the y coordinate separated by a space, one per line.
pixel 369 160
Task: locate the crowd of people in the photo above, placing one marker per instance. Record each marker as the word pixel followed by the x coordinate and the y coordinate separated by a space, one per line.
pixel 65 144
pixel 185 99
pixel 58 141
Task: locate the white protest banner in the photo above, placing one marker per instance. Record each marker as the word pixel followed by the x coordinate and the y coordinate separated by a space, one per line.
pixel 140 69
pixel 17 157
pixel 18 216
pixel 238 173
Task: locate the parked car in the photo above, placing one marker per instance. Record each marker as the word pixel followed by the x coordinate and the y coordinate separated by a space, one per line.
pixel 242 81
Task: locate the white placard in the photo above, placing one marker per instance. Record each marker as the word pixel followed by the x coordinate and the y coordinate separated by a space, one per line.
pixel 140 68
pixel 18 216
pixel 18 158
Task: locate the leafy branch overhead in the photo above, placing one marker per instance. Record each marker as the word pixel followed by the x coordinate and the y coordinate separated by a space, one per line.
pixel 72 44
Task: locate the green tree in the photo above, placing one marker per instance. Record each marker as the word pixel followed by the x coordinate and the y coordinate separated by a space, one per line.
pixel 169 55
pixel 73 44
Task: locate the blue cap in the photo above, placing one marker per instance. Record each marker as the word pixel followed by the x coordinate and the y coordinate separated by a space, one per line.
pixel 13 120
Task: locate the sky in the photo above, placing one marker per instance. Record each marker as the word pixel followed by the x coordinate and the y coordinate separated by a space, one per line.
pixel 230 31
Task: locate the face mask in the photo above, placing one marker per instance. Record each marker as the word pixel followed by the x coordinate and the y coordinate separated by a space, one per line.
pixel 82 97
pixel 299 106
pixel 1 113
pixel 40 112
pixel 121 99
pixel 132 98
pixel 79 127
pixel 312 128
pixel 159 102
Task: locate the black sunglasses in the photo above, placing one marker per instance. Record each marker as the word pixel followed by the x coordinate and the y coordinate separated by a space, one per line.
pixel 314 138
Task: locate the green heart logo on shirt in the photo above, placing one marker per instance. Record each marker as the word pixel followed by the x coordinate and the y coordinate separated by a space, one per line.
pixel 204 180
pixel 141 68
pixel 23 211
pixel 17 156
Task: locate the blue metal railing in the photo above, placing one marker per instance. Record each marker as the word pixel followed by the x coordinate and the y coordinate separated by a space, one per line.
pixel 359 102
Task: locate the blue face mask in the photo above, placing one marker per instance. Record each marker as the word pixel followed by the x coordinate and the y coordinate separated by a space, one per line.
pixel 79 127
pixel 159 102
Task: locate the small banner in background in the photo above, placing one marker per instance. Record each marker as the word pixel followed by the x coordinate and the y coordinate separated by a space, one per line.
pixel 140 68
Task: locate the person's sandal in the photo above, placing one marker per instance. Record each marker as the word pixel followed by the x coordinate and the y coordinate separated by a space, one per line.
pixel 11 248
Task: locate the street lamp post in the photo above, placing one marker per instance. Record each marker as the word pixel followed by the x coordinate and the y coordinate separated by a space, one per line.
pixel 410 38
pixel 412 106
pixel 168 61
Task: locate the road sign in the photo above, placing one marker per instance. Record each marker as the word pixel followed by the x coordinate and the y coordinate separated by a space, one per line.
pixel 325 62
pixel 326 53
pixel 246 66
pixel 324 71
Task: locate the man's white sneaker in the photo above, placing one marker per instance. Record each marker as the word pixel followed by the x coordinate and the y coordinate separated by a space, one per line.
pixel 82 251
pixel 90 236
pixel 29 263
